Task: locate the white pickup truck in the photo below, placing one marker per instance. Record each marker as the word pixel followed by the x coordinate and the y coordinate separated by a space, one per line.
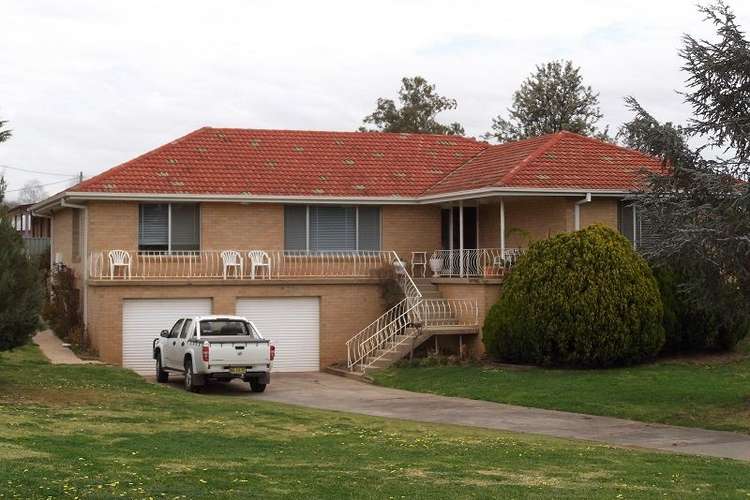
pixel 214 348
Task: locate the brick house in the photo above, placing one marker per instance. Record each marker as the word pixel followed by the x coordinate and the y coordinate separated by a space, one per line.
pixel 34 230
pixel 299 229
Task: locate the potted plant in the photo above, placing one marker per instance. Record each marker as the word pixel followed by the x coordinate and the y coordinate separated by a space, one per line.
pixel 436 265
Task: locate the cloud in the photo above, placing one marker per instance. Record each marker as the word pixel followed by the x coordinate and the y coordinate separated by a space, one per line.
pixel 87 85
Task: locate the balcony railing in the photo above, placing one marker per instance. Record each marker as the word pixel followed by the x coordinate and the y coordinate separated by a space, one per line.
pixel 473 262
pixel 216 264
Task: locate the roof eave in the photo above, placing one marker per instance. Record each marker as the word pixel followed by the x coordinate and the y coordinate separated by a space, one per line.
pixel 74 196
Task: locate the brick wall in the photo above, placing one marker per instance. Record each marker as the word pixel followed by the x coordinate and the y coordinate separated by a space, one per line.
pixel 223 226
pixel 411 228
pixel 242 227
pixel 62 240
pixel 344 309
pixel 600 211
pixel 486 294
pixel 113 225
pixel 489 225
pixel 532 219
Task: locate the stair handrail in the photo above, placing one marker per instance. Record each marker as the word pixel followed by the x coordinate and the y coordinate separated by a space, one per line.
pixel 381 331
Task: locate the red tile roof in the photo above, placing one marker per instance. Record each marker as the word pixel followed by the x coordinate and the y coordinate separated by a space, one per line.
pixel 293 163
pixel 367 164
pixel 563 160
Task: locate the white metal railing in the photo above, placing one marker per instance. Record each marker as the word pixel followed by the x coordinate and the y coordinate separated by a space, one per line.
pixel 385 332
pixel 474 262
pixel 449 312
pixel 209 264
pixel 389 331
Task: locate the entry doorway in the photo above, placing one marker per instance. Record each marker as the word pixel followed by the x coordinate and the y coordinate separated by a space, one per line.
pixel 450 219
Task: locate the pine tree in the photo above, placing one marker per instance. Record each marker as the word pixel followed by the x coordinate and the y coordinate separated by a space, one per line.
pixel 552 99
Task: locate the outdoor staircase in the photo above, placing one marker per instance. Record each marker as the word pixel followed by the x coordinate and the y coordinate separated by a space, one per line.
pixel 423 314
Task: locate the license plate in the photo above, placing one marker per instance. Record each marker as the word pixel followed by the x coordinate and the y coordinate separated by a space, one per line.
pixel 237 371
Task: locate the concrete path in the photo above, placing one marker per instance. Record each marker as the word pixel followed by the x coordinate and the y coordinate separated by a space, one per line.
pixel 57 354
pixel 329 392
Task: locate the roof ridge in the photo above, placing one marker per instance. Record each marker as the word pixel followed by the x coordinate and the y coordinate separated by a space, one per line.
pixel 461 165
pixel 351 132
pixel 602 142
pixel 119 167
pixel 551 141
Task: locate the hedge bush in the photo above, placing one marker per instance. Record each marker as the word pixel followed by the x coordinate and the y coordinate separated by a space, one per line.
pixel 62 312
pixel 582 299
pixel 21 293
pixel 691 327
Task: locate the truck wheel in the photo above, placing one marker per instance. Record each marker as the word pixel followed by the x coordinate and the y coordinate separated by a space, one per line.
pixel 190 384
pixel 256 386
pixel 161 375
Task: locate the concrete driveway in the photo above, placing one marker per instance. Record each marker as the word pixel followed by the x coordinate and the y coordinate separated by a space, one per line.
pixel 330 392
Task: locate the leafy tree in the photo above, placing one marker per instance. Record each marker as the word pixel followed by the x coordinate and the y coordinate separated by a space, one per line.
pixel 420 105
pixel 20 290
pixel 550 100
pixel 698 214
pixel 31 192
pixel 4 134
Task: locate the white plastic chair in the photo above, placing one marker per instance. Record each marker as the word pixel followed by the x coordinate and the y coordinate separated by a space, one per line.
pixel 232 260
pixel 119 258
pixel 419 259
pixel 259 259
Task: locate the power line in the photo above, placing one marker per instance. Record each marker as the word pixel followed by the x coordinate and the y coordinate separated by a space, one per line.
pixel 35 171
pixel 75 177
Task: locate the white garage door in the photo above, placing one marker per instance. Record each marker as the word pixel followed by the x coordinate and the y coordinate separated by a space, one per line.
pixel 292 324
pixel 144 319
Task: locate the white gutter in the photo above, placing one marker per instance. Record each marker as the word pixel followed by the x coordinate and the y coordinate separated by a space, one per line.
pixel 587 199
pixel 85 252
pixel 360 200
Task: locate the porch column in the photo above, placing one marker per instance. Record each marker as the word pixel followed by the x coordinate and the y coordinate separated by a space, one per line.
pixel 450 223
pixel 502 228
pixel 461 236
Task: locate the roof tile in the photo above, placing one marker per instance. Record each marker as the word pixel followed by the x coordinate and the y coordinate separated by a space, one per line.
pixel 293 163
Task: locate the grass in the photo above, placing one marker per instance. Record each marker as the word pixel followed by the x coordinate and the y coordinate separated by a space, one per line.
pixel 93 431
pixel 708 394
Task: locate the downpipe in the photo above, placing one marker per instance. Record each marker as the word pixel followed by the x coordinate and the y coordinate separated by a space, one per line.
pixel 587 199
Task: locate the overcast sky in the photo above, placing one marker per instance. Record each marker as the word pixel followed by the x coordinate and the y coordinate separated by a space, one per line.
pixel 86 85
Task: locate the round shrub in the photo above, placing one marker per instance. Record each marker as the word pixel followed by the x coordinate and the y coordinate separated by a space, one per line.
pixel 582 299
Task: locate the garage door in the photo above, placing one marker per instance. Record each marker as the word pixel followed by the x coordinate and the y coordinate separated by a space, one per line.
pixel 292 324
pixel 143 319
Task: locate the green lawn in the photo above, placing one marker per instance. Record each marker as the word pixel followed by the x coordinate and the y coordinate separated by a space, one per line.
pixel 100 432
pixel 714 396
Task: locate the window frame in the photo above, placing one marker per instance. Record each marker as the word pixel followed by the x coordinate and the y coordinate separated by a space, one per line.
pixel 357 249
pixel 169 250
pixel 187 325
pixel 174 332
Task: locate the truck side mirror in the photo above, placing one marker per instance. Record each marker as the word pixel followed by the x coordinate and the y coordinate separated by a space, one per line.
pixel 165 333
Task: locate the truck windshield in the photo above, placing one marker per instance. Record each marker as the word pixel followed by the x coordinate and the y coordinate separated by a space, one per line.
pixel 225 327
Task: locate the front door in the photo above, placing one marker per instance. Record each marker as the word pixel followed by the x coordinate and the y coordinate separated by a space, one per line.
pixel 451 228
pixel 459 263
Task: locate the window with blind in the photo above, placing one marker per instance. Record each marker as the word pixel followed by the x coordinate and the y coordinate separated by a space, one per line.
pixel 331 228
pixel 169 227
